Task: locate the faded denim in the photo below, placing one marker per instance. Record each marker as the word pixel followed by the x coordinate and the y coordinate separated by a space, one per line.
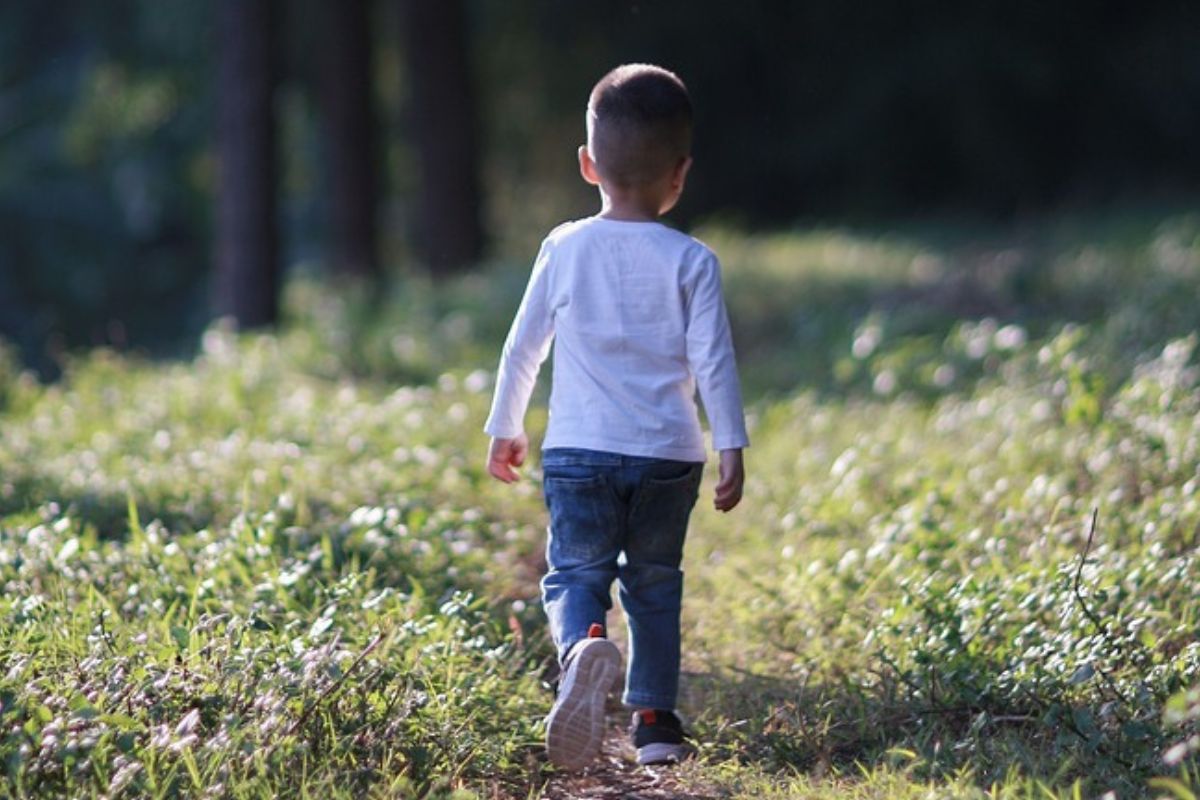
pixel 623 518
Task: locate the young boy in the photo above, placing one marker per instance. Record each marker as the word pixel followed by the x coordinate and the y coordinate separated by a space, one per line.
pixel 636 313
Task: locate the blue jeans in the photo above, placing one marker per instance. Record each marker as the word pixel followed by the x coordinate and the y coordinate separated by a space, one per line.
pixel 624 518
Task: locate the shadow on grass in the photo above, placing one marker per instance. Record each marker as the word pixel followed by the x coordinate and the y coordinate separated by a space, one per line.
pixel 786 727
pixel 32 496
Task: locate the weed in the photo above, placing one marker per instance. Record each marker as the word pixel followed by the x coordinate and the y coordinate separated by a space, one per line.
pixel 280 570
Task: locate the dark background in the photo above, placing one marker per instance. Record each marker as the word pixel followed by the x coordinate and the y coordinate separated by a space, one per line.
pixel 166 161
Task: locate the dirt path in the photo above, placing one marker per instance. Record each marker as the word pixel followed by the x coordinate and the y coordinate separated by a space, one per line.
pixel 615 774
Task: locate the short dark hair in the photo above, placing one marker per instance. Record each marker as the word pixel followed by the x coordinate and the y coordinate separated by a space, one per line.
pixel 639 124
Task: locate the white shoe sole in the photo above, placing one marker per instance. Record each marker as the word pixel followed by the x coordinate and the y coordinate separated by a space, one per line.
pixel 661 753
pixel 575 726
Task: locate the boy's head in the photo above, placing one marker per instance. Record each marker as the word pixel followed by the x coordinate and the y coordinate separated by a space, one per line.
pixel 639 125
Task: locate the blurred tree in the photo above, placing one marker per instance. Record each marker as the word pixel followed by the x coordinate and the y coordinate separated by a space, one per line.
pixel 345 88
pixel 839 111
pixel 105 125
pixel 247 268
pixel 436 49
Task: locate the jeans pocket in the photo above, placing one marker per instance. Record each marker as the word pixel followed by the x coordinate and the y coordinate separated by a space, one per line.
pixel 659 515
pixel 584 526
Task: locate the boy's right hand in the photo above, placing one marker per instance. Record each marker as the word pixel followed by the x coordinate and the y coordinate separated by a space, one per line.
pixel 504 454
pixel 730 477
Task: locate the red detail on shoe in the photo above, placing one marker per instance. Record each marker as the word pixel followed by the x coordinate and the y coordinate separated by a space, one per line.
pixel 648 716
pixel 596 631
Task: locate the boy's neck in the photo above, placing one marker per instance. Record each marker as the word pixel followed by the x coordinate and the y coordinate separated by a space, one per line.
pixel 644 202
pixel 628 207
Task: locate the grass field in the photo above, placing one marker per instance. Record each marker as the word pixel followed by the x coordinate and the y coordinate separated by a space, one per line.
pixel 965 565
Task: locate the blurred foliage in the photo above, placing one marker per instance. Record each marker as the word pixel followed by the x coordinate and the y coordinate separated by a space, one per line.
pixel 896 109
pixel 104 184
pixel 820 110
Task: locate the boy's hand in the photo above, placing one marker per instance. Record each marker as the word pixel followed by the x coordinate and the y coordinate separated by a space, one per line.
pixel 504 454
pixel 731 476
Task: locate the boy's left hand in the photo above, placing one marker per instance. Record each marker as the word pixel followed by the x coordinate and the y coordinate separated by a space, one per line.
pixel 504 454
pixel 730 479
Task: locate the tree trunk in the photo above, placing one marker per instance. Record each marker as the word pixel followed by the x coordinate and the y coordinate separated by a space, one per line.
pixel 248 273
pixel 345 86
pixel 436 49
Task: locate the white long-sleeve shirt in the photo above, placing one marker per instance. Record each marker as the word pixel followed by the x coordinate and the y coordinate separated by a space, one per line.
pixel 638 323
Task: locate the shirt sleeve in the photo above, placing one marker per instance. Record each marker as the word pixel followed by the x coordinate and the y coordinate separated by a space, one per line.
pixel 711 358
pixel 525 349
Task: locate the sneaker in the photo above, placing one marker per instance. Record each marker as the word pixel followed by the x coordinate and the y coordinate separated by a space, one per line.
pixel 658 737
pixel 575 726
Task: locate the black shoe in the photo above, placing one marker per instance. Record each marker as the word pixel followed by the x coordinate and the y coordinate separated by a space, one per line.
pixel 658 737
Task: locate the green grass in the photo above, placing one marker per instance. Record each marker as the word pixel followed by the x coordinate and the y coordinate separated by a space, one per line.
pixel 280 570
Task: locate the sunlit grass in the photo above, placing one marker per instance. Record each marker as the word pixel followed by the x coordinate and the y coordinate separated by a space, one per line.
pixel 280 570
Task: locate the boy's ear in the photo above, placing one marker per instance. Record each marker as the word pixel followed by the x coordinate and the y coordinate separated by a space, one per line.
pixel 681 172
pixel 587 167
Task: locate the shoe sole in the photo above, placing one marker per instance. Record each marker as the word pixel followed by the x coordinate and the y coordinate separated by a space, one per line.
pixel 575 726
pixel 661 753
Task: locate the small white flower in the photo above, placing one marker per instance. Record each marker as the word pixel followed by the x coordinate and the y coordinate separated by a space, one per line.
pixel 188 723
